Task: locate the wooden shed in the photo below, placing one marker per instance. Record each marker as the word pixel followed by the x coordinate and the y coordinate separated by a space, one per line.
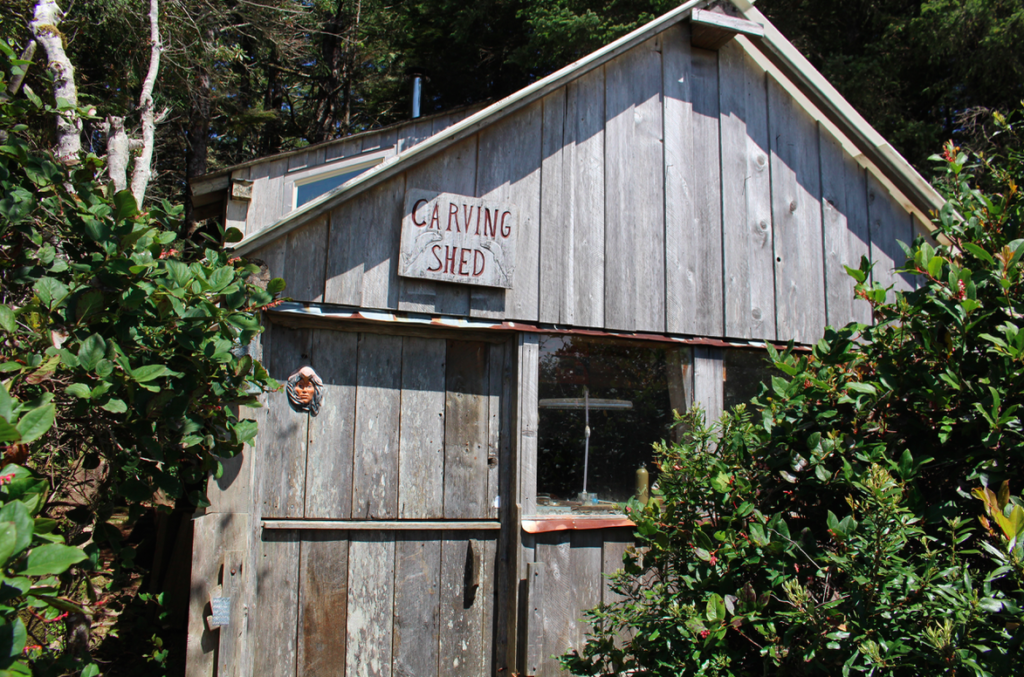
pixel 504 306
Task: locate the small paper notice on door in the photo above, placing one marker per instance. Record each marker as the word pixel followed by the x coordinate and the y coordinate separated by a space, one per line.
pixel 221 611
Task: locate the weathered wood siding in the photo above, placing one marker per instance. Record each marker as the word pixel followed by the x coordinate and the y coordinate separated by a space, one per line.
pixel 375 604
pixel 409 428
pixel 274 179
pixel 567 575
pixel 672 190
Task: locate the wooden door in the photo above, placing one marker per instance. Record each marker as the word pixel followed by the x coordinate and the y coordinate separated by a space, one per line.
pixel 390 566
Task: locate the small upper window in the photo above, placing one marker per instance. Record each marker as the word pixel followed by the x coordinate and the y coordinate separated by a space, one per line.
pixel 310 190
pixel 602 404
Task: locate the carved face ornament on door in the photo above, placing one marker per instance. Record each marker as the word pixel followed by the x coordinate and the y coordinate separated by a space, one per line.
pixel 305 391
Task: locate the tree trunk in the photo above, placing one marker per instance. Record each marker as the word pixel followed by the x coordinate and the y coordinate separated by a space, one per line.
pixel 143 164
pixel 44 25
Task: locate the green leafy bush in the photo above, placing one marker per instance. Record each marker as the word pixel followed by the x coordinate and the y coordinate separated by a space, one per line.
pixel 124 361
pixel 830 528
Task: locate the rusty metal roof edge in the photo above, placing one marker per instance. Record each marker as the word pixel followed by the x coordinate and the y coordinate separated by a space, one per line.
pixel 342 313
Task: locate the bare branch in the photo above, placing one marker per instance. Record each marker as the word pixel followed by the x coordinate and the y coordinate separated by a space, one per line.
pixel 27 55
pixel 143 170
pixel 69 126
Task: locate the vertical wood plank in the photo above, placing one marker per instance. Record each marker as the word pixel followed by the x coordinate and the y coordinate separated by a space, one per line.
pixel 305 261
pixel 584 174
pixel 371 580
pixel 587 581
pixel 417 605
pixel 382 234
pixel 746 197
pixel 613 550
pixel 559 629
pixel 508 170
pixel 796 215
pixel 529 356
pixel 421 440
pixel 283 459
pixel 345 260
pixel 634 202
pixel 237 211
pixel 411 134
pixel 682 238
pixel 533 627
pixel 277 604
pixel 323 601
pixel 708 384
pixel 255 216
pixel 556 276
pixel 331 433
pixel 495 378
pixel 889 225
pixel 453 171
pixel 461 639
pixel 342 149
pixel 466 431
pixel 693 234
pixel 378 406
pixel 845 223
pixel 299 160
pixel 486 598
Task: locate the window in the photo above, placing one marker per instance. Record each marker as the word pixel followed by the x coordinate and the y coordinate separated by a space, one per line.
pixel 308 192
pixel 602 404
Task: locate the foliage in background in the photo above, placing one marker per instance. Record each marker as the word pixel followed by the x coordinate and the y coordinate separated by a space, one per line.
pixel 242 80
pixel 835 527
pixel 127 351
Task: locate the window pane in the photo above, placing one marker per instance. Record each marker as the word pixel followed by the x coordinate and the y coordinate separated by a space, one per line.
pixel 626 391
pixel 745 371
pixel 310 191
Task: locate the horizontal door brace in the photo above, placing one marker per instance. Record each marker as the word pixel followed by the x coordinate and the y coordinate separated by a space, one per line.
pixel 382 525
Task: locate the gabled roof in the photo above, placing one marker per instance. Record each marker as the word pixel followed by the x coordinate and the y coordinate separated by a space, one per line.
pixel 758 38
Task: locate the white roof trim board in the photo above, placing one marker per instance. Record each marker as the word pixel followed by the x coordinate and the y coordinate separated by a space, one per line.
pixel 776 54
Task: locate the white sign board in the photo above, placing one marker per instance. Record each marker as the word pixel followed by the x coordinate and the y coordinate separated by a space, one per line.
pixel 453 238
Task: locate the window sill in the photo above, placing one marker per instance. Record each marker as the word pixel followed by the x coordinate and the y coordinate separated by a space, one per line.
pixel 539 524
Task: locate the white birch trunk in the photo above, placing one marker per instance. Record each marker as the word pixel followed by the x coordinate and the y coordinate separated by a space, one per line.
pixel 143 169
pixel 118 152
pixel 69 127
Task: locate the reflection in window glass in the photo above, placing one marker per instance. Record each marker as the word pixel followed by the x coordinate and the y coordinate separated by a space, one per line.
pixel 314 189
pixel 627 390
pixel 745 371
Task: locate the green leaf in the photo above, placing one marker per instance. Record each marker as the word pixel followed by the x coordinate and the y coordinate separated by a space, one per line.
pixel 88 303
pixel 16 512
pixel 935 266
pixel 8 433
pixel 91 352
pixel 978 251
pixel 51 292
pixel 13 637
pixel 276 286
pixel 35 423
pixel 152 371
pixel 715 608
pixel 8 321
pixel 91 670
pixel 124 205
pixel 865 388
pixel 115 406
pixel 8 539
pixel 51 560
pixel 78 390
pixel 58 603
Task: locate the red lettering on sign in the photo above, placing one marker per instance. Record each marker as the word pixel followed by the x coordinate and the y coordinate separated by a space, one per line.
pixel 435 219
pixel 418 224
pixel 467 215
pixel 478 257
pixel 488 224
pixel 505 230
pixel 478 219
pixel 434 250
pixel 453 210
pixel 449 259
pixel 463 262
